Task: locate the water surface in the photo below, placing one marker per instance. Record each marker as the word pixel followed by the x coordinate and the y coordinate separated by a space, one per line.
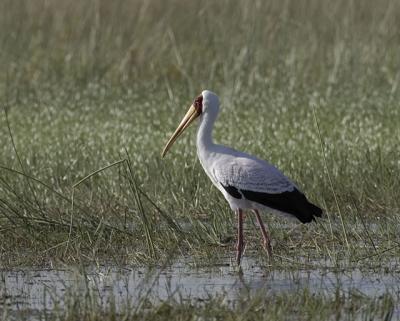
pixel 46 289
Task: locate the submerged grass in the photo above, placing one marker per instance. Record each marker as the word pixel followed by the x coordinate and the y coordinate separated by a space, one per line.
pixel 109 293
pixel 91 90
pixel 301 305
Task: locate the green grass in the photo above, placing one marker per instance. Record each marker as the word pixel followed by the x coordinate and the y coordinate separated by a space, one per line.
pixel 84 85
pixel 88 304
pixel 91 90
pixel 301 306
pixel 121 293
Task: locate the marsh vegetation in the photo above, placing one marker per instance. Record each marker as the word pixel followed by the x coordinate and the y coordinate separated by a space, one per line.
pixel 91 90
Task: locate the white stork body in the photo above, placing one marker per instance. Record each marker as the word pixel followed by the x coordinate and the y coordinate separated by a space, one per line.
pixel 228 167
pixel 245 181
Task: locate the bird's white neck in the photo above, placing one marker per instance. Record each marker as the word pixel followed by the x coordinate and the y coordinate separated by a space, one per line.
pixel 204 134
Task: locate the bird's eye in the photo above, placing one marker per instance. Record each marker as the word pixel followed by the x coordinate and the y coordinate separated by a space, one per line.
pixel 198 104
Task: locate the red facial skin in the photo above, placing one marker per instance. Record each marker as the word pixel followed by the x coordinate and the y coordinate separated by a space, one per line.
pixel 198 104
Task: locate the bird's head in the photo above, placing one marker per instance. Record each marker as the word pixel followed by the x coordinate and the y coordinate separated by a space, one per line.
pixel 207 102
pixel 210 102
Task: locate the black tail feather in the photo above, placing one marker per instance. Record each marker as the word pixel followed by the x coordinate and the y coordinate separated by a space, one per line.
pixel 294 203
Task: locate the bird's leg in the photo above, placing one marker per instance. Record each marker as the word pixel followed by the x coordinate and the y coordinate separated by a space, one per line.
pixel 240 241
pixel 267 239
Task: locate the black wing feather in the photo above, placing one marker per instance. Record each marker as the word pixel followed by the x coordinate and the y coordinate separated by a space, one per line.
pixel 291 202
pixel 232 191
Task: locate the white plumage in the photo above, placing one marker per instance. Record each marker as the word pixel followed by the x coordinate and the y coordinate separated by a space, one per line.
pixel 228 167
pixel 246 182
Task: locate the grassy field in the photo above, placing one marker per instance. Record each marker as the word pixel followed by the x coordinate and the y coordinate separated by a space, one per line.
pixel 91 90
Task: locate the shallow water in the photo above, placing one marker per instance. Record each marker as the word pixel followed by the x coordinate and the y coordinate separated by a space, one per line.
pixel 44 290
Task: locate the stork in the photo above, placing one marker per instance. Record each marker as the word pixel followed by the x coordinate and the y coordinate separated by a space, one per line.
pixel 247 182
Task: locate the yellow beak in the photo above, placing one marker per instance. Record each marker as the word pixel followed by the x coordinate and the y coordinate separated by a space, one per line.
pixel 190 116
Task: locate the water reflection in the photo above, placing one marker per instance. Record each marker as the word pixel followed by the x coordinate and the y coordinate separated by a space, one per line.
pixel 46 289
